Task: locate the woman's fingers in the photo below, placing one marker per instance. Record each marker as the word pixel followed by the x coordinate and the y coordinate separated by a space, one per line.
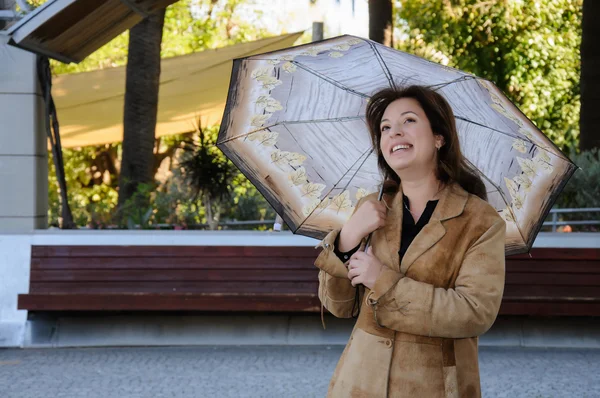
pixel 356 281
pixel 352 274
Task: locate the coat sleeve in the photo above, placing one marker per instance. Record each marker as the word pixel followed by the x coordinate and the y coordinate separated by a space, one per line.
pixel 335 290
pixel 467 310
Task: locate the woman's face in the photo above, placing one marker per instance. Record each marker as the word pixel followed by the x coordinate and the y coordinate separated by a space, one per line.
pixel 407 141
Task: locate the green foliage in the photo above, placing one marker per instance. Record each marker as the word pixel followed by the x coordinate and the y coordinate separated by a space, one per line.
pixel 171 202
pixel 92 197
pixel 137 211
pixel 206 169
pixel 582 190
pixel 530 49
pixel 190 26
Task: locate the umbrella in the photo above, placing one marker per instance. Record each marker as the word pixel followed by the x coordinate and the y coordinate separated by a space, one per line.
pixel 295 125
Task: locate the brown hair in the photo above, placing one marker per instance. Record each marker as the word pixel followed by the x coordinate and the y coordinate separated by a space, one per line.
pixel 452 165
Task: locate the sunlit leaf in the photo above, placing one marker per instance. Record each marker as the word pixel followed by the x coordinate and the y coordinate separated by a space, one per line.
pixel 256 135
pixel 259 120
pixel 519 145
pixel 279 157
pixel 528 166
pixel 298 176
pixel 523 181
pixel 312 190
pixel 268 138
pixel 341 202
pixel 341 47
pixel 541 156
pixel 289 67
pixel 309 208
pixel 311 52
pixel 507 215
pixel 268 103
pixel 295 159
pixel 269 82
pixel 261 72
pixel 512 187
pixel 361 193
pixel 324 203
pixel 518 201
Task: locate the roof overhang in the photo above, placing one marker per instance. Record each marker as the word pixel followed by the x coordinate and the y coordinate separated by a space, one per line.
pixel 70 30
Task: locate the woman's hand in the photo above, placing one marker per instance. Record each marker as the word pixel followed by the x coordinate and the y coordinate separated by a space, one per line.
pixel 369 217
pixel 364 268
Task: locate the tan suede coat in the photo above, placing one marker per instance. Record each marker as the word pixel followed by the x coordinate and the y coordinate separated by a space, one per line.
pixel 416 335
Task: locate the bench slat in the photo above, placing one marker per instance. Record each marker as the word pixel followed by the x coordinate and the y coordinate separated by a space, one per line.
pixel 173 286
pixel 214 262
pixel 173 251
pixel 529 278
pixel 167 275
pixel 170 302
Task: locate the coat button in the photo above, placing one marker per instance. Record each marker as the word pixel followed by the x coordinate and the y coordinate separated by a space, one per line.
pixel 327 245
pixel 388 343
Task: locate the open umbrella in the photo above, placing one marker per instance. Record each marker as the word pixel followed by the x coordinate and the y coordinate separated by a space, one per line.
pixel 295 125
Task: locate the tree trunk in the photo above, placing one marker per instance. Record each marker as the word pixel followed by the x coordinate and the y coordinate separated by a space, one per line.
pixel 381 22
pixel 141 105
pixel 211 219
pixel 589 123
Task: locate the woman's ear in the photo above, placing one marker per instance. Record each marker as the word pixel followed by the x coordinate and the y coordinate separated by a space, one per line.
pixel 439 141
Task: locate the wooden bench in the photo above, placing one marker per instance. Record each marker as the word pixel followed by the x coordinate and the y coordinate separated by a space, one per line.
pixel 270 279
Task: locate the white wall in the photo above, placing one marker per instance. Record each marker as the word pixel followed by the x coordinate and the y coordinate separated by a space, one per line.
pixel 15 254
pixel 23 153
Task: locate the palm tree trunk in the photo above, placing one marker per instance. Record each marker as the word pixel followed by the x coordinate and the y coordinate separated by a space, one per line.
pixel 589 123
pixel 141 104
pixel 381 22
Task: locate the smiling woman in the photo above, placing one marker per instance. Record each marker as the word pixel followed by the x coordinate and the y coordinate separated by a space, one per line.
pixel 423 119
pixel 433 279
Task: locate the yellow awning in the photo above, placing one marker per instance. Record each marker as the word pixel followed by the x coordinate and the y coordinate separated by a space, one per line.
pixel 192 87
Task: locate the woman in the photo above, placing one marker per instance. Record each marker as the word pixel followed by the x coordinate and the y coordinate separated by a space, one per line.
pixel 433 277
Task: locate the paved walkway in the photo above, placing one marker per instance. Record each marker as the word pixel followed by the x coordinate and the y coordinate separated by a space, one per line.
pixel 300 371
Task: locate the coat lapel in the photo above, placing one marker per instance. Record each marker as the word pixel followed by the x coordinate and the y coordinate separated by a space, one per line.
pixel 393 228
pixel 451 204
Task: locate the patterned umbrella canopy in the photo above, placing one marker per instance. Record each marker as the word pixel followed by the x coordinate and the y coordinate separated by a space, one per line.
pixel 295 126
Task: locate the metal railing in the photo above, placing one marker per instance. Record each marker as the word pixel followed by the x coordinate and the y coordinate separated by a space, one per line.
pixel 555 212
pixel 554 222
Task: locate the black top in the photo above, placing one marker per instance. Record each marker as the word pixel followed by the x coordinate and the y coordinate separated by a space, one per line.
pixel 409 229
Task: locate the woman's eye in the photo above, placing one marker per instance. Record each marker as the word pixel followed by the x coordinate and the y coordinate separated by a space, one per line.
pixel 384 128
pixel 410 120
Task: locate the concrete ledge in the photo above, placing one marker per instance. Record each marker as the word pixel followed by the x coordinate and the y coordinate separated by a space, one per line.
pixel 55 237
pixel 225 330
pixel 11 334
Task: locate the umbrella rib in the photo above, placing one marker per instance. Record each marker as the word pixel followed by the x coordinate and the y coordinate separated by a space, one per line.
pixel 296 141
pixel 330 80
pixel 367 152
pixel 436 87
pixel 386 70
pixel 358 168
pixel 464 119
pixel 283 122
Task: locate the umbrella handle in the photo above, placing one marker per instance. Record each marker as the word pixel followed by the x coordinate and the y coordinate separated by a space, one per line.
pixel 371 234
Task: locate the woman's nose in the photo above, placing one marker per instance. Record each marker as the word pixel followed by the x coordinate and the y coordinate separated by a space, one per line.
pixel 397 131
